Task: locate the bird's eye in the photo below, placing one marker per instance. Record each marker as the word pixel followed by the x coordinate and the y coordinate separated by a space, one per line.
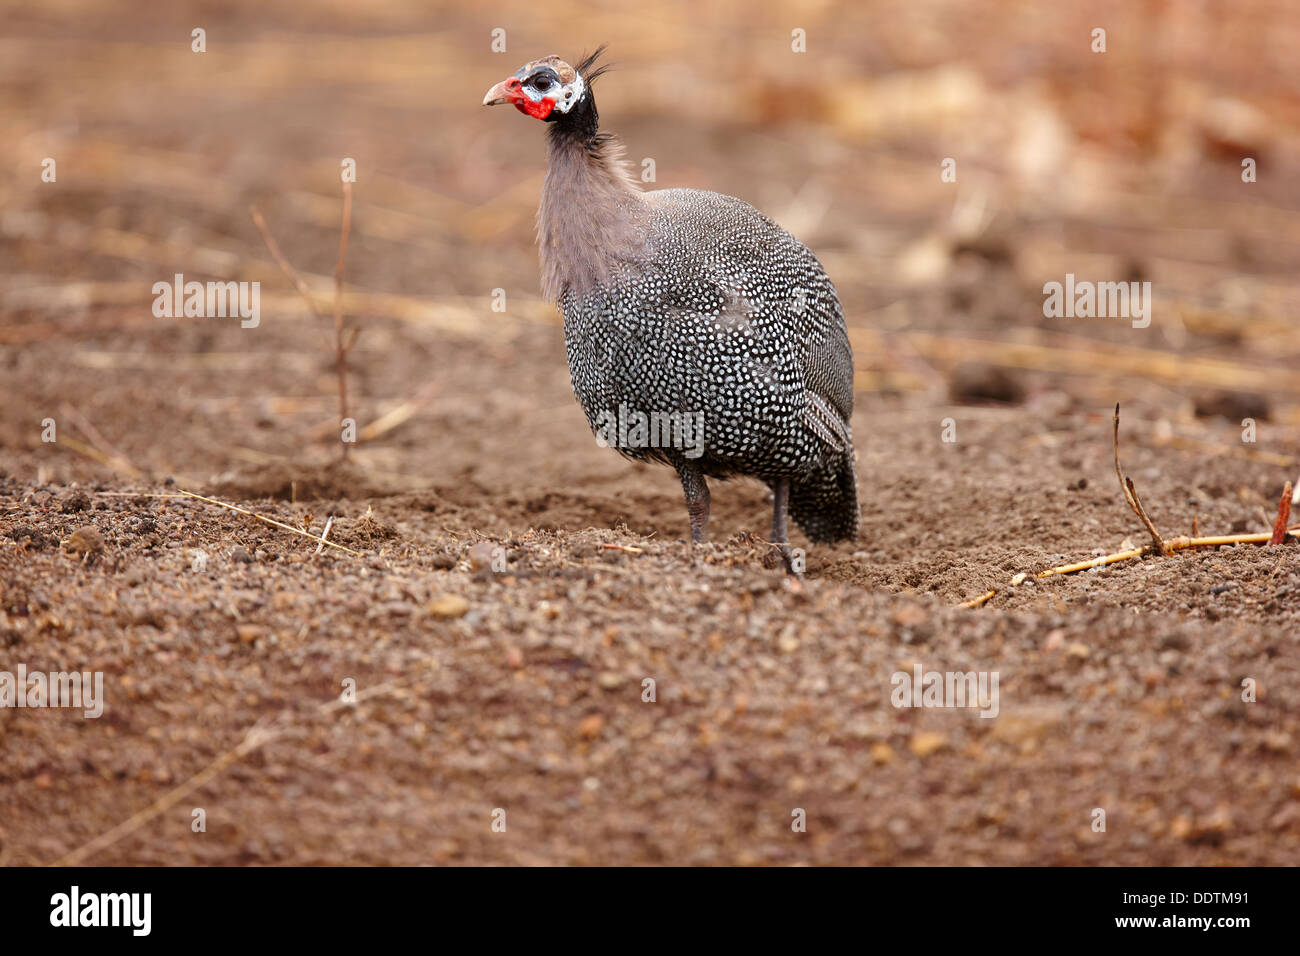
pixel 542 84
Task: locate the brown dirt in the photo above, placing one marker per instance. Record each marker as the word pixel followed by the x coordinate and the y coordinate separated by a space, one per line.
pixel 1120 689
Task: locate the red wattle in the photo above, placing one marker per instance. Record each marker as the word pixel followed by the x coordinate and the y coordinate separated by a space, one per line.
pixel 539 110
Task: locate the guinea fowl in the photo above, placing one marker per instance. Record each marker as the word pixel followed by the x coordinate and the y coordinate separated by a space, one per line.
pixel 681 303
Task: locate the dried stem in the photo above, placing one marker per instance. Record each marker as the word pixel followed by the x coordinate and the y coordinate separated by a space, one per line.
pixel 341 348
pixel 270 521
pixel 108 453
pixel 978 601
pixel 283 263
pixel 1173 544
pixel 344 339
pixel 329 523
pixel 1159 545
pixel 1283 517
pixel 1131 496
pixel 260 734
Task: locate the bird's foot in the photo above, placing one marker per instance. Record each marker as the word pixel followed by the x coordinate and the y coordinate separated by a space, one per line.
pixel 780 554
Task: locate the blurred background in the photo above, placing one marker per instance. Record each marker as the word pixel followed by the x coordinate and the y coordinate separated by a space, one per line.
pixel 1122 165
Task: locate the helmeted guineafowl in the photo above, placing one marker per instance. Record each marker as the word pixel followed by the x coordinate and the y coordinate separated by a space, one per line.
pixel 685 308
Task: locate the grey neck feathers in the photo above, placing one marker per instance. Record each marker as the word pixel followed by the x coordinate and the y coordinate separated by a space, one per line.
pixel 592 215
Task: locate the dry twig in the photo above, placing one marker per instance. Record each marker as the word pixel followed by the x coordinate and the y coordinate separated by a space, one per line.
pixel 978 601
pixel 270 521
pixel 344 339
pixel 1073 357
pixel 108 454
pixel 1131 496
pixel 342 348
pixel 329 523
pixel 1173 544
pixel 1160 545
pixel 260 734
pixel 282 262
pixel 1283 516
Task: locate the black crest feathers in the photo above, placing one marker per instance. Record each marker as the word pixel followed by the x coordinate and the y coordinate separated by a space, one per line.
pixel 585 68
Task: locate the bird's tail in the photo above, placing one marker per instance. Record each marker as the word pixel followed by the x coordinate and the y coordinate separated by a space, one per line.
pixel 824 503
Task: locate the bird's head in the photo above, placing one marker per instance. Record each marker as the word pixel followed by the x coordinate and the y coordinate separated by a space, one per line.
pixel 548 89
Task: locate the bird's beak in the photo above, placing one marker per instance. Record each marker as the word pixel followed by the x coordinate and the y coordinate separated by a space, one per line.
pixel 501 93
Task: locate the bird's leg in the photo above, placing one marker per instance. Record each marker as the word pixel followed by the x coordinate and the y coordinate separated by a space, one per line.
pixel 697 500
pixel 780 501
pixel 780 535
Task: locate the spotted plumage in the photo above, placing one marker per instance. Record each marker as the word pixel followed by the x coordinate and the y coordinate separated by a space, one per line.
pixel 686 302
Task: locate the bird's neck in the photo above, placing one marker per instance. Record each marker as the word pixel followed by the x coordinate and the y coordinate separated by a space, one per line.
pixel 592 214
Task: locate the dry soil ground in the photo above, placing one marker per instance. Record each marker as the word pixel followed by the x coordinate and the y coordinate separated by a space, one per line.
pixel 522 689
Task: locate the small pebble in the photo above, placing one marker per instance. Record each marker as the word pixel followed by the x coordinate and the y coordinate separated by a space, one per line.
pixel 449 606
pixel 591 726
pixel 250 633
pixel 85 540
pixel 926 742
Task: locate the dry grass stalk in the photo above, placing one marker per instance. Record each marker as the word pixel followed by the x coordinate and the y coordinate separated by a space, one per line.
pixel 396 415
pixel 104 451
pixel 292 274
pixel 1160 545
pixel 399 414
pixel 1283 517
pixel 92 453
pixel 341 348
pixel 260 734
pixel 329 523
pixel 270 521
pixel 344 339
pixel 1181 543
pixel 1184 443
pixel 255 738
pixel 978 601
pixel 137 494
pixel 1131 496
pixel 1097 359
